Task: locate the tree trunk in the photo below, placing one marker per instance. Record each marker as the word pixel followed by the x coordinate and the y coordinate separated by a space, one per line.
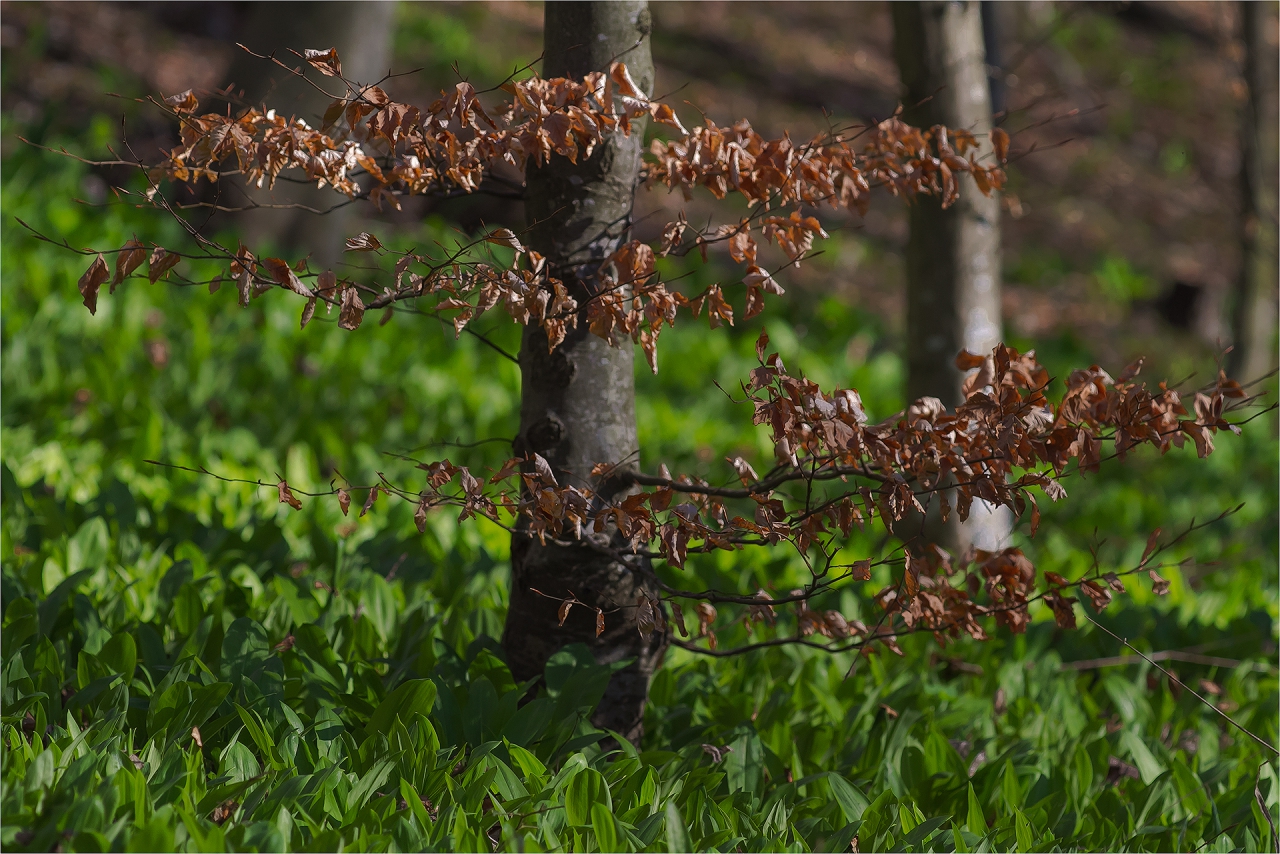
pixel 362 34
pixel 1254 319
pixel 953 255
pixel 578 404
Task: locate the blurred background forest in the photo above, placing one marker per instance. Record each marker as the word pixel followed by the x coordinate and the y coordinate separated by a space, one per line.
pixel 1123 226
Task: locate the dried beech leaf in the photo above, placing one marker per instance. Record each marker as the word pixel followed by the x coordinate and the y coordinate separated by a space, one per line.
pixel 129 258
pixel 215 283
pixel 505 237
pixel 368 502
pixel 363 242
pixel 1159 585
pixel 324 61
pixel 183 103
pixel 287 496
pixel 1151 546
pixel 351 311
pixel 91 281
pixel 160 263
pixel 1000 144
pixel 308 310
pixel 344 501
pixel 563 613
pixel 332 114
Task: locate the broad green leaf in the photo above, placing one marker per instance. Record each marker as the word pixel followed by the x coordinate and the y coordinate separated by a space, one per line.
pixel 585 788
pixel 1148 766
pixel 1022 831
pixel 417 696
pixel 976 822
pixel 852 802
pixel 605 827
pixel 677 835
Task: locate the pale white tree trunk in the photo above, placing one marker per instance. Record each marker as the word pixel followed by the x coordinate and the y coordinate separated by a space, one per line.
pixel 953 255
pixel 1254 319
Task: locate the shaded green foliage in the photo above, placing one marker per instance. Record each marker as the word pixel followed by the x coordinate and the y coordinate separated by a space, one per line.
pixel 341 673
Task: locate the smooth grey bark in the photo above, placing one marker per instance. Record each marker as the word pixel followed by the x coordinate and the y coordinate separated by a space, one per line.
pixel 578 401
pixel 953 255
pixel 1254 316
pixel 362 34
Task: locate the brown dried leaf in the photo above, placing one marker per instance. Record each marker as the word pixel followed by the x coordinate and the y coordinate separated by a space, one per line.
pixel 284 276
pixel 332 114
pixel 215 283
pixel 324 61
pixel 344 501
pixel 1151 546
pixel 160 263
pixel 911 577
pixel 183 103
pixel 1131 371
pixel 308 310
pixel 128 259
pixel 223 811
pixel 1000 144
pixel 618 71
pixel 287 496
pixel 761 344
pixel 599 622
pixel 861 570
pixel 506 237
pixel 351 311
pixel 363 242
pixel 677 616
pixel 1159 585
pixel 663 114
pixel 91 281
pixel 368 502
pixel 563 613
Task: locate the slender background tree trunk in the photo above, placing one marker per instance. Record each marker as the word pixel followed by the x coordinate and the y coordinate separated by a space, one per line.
pixel 1254 320
pixel 362 34
pixel 953 255
pixel 578 404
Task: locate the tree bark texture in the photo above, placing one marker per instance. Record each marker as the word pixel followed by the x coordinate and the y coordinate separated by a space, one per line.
pixel 1254 316
pixel 578 401
pixel 953 255
pixel 362 34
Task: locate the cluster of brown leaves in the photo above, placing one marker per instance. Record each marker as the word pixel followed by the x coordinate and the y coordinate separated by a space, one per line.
pixel 1006 442
pixel 397 149
pixel 401 148
pixel 834 470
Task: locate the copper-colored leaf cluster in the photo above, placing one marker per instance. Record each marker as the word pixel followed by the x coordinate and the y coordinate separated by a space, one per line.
pixel 373 147
pixel 833 470
pixel 1004 444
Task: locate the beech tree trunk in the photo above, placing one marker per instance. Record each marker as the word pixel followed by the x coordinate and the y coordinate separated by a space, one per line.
pixel 953 255
pixel 578 403
pixel 1254 320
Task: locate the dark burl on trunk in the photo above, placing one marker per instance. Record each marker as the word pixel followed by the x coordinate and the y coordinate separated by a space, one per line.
pixel 578 406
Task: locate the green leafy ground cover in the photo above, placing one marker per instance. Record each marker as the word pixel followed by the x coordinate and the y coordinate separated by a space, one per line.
pixel 342 673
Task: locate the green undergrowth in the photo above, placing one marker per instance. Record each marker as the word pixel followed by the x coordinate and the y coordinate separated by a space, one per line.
pixel 190 665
